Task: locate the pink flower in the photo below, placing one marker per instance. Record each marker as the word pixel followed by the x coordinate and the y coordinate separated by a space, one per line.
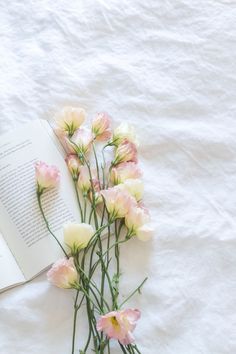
pixel 118 202
pixel 63 274
pixel 137 221
pixel 124 171
pixel 81 141
pixel 46 176
pixel 64 140
pixel 84 183
pixel 70 119
pixel 119 325
pixel 73 164
pixel 135 218
pixel 125 152
pixel 101 127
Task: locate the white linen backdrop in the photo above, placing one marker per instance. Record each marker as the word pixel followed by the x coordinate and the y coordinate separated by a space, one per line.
pixel 168 67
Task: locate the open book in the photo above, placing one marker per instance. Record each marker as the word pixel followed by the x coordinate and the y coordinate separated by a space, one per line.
pixel 26 248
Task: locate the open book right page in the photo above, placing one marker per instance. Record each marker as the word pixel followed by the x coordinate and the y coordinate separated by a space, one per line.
pixel 20 220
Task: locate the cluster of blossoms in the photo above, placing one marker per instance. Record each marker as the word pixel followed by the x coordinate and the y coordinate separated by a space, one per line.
pixel 115 191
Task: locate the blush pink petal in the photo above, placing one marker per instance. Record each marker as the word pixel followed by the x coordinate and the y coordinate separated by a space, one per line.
pixel 84 183
pixel 119 325
pixel 73 164
pixel 101 127
pixel 46 176
pixel 123 171
pixel 118 201
pixel 83 139
pixel 135 218
pixel 63 273
pixel 126 152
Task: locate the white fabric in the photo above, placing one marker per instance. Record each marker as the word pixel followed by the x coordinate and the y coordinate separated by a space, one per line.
pixel 169 68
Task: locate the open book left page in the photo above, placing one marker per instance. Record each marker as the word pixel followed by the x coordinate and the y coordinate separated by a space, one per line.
pixel 21 224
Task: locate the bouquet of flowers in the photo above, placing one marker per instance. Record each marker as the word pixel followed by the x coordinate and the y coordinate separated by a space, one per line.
pixel 105 173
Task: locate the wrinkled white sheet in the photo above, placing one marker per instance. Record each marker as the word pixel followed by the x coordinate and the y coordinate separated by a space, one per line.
pixel 168 67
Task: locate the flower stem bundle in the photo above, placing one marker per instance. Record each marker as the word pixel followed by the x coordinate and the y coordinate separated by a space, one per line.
pixel 109 191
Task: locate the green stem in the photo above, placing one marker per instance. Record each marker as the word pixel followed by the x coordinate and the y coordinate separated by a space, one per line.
pixel 47 224
pixel 80 270
pixel 135 348
pixel 85 208
pixel 137 289
pixel 90 330
pixel 122 348
pixel 130 349
pixel 97 166
pixel 78 199
pixel 92 327
pixel 90 215
pixel 108 244
pixel 108 347
pixel 89 298
pixel 117 255
pixel 76 308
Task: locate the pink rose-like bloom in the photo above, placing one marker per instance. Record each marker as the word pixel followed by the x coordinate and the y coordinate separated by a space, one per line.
pixel 125 152
pixel 119 325
pixel 137 222
pixel 135 218
pixel 118 202
pixel 84 183
pixel 46 176
pixel 63 274
pixel 124 171
pixel 101 127
pixel 70 119
pixel 74 165
pixel 82 140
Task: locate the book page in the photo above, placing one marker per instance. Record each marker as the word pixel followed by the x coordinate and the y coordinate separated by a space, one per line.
pixel 10 272
pixel 21 223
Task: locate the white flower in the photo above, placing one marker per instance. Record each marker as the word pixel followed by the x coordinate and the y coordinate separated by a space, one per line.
pixel 77 235
pixel 70 119
pixel 135 187
pixel 145 232
pixel 122 132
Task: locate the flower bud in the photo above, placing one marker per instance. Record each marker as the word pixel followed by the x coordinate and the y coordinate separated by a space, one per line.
pixel 84 183
pixel 126 152
pixel 73 164
pixel 101 127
